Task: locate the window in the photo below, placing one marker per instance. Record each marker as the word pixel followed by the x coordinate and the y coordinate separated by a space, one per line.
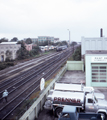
pixel 90 101
pixel 65 115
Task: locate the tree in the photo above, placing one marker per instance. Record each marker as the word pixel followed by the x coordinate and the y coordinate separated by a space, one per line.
pixel 57 43
pixel 22 53
pixel 3 40
pixel 8 55
pixel 28 41
pixel 73 43
pixel 77 54
pixel 35 51
pixel 15 39
pixel 43 43
pixel 64 43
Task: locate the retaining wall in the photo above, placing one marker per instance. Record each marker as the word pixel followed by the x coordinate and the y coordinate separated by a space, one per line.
pixel 75 65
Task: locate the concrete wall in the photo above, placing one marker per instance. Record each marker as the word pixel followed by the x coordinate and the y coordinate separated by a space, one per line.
pixel 75 65
pixel 33 111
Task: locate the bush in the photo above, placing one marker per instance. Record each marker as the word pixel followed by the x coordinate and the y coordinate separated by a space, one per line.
pixel 4 65
pixel 77 54
pixel 9 64
pixel 7 60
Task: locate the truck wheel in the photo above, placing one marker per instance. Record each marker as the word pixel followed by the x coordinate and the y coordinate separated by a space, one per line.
pixel 58 112
pixel 103 115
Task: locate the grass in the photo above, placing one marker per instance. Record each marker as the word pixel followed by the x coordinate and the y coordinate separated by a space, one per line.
pixel 70 59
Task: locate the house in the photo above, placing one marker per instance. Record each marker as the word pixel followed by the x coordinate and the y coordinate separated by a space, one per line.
pixel 11 47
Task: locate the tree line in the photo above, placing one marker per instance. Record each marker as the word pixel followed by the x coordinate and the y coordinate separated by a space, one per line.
pixel 22 53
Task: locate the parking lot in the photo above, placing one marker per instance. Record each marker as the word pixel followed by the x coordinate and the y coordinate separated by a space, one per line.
pixel 70 77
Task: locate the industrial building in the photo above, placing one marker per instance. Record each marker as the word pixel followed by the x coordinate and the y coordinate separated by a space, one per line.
pixel 94 55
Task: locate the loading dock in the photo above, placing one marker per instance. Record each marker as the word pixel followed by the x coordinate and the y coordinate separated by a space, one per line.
pixel 96 69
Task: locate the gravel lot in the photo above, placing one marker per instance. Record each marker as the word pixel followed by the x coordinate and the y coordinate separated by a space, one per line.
pixel 69 77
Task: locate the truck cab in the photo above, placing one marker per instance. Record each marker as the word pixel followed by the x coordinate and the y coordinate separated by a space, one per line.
pixel 94 105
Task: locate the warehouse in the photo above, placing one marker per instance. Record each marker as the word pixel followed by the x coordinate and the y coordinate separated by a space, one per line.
pixel 96 68
pixel 94 55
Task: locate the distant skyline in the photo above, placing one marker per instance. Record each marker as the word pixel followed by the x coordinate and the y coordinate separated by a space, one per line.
pixel 33 18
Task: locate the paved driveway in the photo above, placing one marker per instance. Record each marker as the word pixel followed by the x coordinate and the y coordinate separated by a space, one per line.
pixel 69 77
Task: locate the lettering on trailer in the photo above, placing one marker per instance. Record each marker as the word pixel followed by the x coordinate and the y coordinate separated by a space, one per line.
pixel 73 100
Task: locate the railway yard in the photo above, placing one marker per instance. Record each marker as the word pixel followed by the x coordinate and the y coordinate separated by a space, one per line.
pixel 23 82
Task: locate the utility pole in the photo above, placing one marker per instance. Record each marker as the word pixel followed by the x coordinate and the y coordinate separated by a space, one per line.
pixel 69 36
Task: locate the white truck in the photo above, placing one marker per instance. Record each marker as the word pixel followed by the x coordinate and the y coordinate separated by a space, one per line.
pixel 84 100
pixel 76 87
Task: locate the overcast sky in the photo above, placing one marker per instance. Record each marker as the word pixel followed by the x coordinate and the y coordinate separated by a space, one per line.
pixel 33 18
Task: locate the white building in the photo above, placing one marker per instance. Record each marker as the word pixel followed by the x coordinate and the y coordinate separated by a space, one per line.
pixel 10 46
pixel 93 44
pixel 94 55
pixel 47 38
pixel 96 68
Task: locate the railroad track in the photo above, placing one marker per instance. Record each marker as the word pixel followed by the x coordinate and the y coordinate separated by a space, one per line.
pixel 28 84
pixel 24 78
pixel 22 67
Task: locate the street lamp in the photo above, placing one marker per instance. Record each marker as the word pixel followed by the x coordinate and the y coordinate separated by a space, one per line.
pixel 69 36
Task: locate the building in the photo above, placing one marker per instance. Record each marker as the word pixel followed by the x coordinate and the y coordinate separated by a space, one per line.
pixel 96 68
pixel 56 40
pixel 45 38
pixel 34 40
pixel 94 55
pixel 8 46
pixel 93 44
pixel 29 47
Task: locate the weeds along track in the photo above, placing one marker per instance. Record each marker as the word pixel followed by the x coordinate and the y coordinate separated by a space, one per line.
pixel 22 87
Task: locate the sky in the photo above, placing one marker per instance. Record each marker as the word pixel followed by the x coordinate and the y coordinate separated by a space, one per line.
pixel 33 18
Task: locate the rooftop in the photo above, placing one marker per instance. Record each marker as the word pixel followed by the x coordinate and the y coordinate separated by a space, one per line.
pixel 96 51
pixel 8 43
